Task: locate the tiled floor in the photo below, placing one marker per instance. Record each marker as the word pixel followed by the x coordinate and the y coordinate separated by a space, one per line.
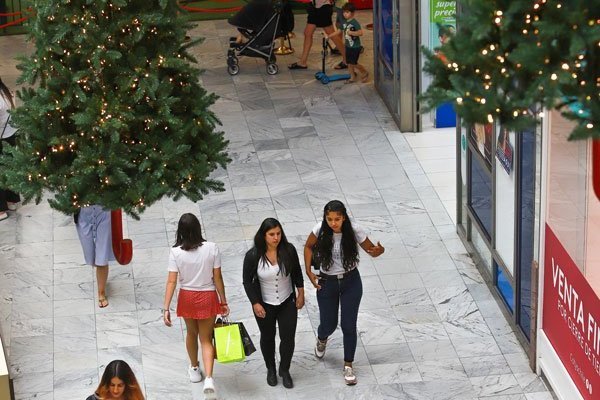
pixel 429 327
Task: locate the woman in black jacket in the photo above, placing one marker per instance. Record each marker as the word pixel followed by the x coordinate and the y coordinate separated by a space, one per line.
pixel 275 287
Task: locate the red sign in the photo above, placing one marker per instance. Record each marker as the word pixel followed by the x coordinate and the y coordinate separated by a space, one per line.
pixel 571 317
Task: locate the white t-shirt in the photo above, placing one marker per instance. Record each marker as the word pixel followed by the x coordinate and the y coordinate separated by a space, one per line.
pixel 337 267
pixel 4 118
pixel 195 267
pixel 275 287
pixel 321 3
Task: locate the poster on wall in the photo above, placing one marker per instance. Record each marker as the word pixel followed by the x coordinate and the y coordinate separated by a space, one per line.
pixel 442 21
pixel 571 317
pixel 482 136
pixel 504 150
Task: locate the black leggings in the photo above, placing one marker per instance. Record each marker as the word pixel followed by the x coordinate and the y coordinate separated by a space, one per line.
pixel 286 316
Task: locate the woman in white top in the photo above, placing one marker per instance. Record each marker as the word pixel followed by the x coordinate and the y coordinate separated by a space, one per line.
pixel 332 246
pixel 197 264
pixel 272 276
pixel 8 198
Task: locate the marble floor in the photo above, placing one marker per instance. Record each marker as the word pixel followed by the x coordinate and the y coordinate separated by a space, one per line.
pixel 429 327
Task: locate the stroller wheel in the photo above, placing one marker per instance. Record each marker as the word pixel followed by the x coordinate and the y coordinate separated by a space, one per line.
pixel 233 69
pixel 324 79
pixel 319 75
pixel 232 61
pixel 272 69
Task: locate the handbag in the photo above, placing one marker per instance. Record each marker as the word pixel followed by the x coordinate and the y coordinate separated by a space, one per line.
pixel 229 347
pixel 248 345
pixel 247 340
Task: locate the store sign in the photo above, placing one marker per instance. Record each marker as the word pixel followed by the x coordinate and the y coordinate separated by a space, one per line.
pixel 571 318
pixel 442 20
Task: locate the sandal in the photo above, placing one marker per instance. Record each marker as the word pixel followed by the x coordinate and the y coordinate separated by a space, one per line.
pixel 102 302
pixel 297 66
pixel 341 65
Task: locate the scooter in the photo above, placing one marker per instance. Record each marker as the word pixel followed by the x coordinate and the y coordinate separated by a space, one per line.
pixel 322 75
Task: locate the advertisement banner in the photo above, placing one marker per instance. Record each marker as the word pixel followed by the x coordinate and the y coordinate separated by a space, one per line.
pixel 442 19
pixel 571 317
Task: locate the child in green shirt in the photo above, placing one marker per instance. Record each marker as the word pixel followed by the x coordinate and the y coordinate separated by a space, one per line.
pixel 352 31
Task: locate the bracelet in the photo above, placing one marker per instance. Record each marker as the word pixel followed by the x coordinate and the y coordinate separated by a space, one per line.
pixel 162 310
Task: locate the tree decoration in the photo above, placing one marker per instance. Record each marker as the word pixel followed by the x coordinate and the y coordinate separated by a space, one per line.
pixel 511 58
pixel 114 113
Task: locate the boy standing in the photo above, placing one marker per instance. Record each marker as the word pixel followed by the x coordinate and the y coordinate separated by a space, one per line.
pixel 352 31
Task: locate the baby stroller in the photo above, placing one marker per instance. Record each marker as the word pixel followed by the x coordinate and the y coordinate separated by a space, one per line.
pixel 260 23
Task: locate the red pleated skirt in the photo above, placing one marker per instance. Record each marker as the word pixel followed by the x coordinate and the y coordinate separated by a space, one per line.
pixel 198 305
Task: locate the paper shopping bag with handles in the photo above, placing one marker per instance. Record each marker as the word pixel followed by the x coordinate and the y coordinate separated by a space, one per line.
pixel 228 344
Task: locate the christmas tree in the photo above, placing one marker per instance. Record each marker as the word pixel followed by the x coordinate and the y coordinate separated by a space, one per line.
pixel 113 113
pixel 511 58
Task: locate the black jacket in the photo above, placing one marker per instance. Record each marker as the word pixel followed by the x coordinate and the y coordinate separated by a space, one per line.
pixel 250 273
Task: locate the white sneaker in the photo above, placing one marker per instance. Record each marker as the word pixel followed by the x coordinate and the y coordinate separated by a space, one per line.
pixel 349 376
pixel 12 206
pixel 209 388
pixel 320 348
pixel 195 374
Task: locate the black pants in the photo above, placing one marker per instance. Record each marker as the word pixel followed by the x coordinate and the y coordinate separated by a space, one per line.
pixel 286 317
pixel 5 194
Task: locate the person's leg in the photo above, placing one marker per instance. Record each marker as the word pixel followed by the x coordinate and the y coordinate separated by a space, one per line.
pixel 337 39
pixel 287 320
pixel 364 74
pixel 352 73
pixel 350 296
pixel 102 278
pixel 191 341
pixel 266 326
pixel 328 298
pixel 309 30
pixel 205 328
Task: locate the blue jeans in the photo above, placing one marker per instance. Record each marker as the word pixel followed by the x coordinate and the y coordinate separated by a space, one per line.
pixel 334 292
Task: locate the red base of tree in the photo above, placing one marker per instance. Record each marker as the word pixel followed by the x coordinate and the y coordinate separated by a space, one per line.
pixel 123 248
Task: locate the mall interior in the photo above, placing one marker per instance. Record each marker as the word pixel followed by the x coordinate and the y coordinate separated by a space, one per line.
pixel 486 231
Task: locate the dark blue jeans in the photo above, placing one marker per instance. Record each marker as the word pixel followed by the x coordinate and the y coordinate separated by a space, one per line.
pixel 346 293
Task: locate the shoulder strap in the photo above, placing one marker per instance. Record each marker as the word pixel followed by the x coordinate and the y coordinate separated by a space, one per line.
pixel 4 128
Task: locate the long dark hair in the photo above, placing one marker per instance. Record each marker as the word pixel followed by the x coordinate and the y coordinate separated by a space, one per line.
pixel 324 246
pixel 283 248
pixel 189 233
pixel 120 369
pixel 5 93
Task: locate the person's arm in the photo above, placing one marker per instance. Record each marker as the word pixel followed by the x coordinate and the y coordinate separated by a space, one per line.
pixel 297 280
pixel 248 276
pixel 220 286
pixel 169 290
pixel 308 252
pixel 372 249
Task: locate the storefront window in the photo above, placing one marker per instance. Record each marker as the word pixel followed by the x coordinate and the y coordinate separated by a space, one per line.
pixel 505 288
pixel 481 195
pixel 505 197
pixel 481 136
pixel 526 226
pixel 482 249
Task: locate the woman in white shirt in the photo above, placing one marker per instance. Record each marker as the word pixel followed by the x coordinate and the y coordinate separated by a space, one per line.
pixel 8 198
pixel 196 263
pixel 274 285
pixel 332 246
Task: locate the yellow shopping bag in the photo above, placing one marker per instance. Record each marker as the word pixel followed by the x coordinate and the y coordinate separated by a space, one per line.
pixel 229 346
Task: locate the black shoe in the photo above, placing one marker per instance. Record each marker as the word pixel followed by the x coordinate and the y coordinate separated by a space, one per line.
pixel 286 379
pixel 271 377
pixel 336 52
